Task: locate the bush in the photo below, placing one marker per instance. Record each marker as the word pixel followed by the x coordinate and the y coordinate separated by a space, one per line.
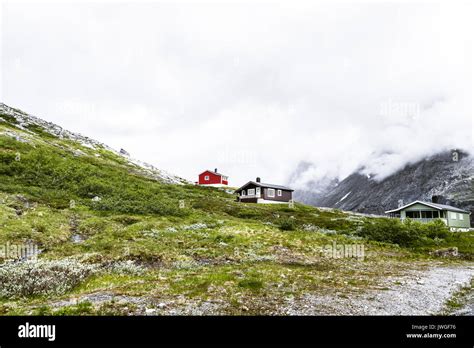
pixel 252 284
pixel 390 231
pixel 287 224
pixel 437 229
pixel 406 233
pixel 45 278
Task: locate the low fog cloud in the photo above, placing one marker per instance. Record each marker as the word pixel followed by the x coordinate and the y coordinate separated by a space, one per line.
pixel 250 88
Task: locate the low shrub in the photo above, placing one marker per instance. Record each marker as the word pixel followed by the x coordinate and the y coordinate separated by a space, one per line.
pixel 42 278
pixel 127 268
pixel 252 284
pixel 287 224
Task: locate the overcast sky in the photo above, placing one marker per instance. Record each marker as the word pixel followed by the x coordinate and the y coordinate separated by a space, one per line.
pixel 250 88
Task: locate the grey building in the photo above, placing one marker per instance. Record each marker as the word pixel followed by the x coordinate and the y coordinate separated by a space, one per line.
pixel 259 192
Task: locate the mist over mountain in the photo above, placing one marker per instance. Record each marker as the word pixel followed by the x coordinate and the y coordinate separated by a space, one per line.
pixel 448 174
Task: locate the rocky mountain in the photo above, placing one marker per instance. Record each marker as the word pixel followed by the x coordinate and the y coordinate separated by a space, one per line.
pixel 449 176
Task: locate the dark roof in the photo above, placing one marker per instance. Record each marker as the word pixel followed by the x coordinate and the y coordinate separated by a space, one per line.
pixel 449 207
pixel 432 205
pixel 213 172
pixel 262 184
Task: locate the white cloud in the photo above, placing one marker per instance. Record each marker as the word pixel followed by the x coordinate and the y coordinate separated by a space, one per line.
pixel 250 88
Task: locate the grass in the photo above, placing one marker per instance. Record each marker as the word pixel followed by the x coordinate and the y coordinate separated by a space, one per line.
pixel 247 257
pixel 459 299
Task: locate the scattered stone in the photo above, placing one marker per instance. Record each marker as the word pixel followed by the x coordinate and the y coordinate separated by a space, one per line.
pixel 197 226
pixel 24 201
pixel 123 152
pixel 78 153
pixel 77 238
pixel 150 310
pixel 448 252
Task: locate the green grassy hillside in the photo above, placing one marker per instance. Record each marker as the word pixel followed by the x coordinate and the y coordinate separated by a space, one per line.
pixel 115 239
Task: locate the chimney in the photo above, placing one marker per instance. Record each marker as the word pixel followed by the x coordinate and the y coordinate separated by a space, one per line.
pixel 400 203
pixel 215 170
pixel 440 199
pixel 258 179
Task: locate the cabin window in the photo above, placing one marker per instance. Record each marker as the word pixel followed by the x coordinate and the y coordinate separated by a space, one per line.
pixel 206 178
pixel 413 214
pixel 271 192
pixel 279 193
pixel 257 191
pixel 461 217
pixel 453 216
pixel 427 214
pixel 435 214
pixel 243 192
pixel 251 192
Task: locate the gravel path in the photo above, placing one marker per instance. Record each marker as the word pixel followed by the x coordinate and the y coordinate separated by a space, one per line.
pixel 420 293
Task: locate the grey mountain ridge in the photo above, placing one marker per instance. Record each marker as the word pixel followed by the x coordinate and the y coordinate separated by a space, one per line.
pixel 438 175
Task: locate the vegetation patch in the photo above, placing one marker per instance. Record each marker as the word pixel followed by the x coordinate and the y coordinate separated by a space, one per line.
pixel 41 278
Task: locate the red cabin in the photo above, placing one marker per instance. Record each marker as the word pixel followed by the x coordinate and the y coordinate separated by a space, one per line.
pixel 213 178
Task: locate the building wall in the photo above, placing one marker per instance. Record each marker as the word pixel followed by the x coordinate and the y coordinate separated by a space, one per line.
pixel 250 186
pixel 213 178
pixel 418 207
pixel 285 195
pixel 464 223
pixel 458 223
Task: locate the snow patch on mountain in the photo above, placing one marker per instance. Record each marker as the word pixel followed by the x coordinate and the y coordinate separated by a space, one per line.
pixel 345 196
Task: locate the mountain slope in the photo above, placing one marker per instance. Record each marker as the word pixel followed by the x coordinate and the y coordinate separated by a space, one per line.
pixel 437 175
pixel 30 125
